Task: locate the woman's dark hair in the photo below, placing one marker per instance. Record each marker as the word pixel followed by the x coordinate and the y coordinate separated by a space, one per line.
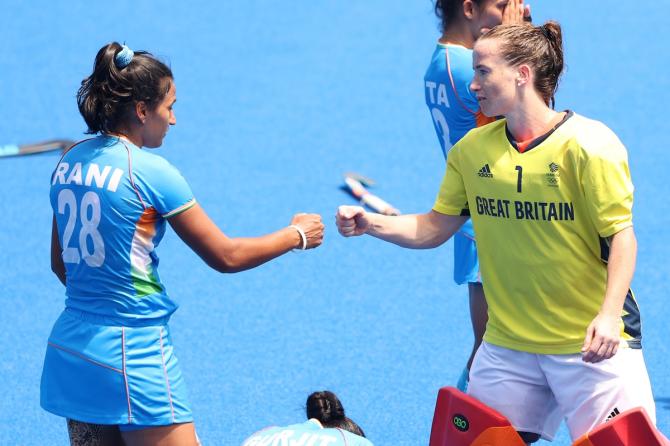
pixel 541 47
pixel 326 407
pixel 447 10
pixel 107 98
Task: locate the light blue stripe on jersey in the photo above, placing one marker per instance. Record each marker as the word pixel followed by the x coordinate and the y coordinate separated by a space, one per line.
pixel 308 433
pixel 453 112
pixel 109 198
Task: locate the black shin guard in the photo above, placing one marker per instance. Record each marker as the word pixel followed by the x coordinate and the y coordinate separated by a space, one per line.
pixel 529 437
pixel 87 434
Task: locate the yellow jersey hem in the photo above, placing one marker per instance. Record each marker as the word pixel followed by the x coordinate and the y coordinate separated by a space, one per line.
pixel 564 349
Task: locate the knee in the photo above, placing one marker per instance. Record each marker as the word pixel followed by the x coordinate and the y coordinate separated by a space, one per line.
pixel 529 437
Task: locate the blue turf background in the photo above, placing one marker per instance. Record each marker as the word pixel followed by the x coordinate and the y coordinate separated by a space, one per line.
pixel 275 101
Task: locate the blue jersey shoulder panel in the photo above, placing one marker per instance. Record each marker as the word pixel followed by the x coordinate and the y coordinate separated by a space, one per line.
pixel 452 105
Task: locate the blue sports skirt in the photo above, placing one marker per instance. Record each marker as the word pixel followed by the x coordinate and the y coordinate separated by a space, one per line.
pixel 466 261
pixel 100 373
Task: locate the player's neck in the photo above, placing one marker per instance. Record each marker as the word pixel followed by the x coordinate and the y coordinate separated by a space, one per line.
pixel 129 135
pixel 533 121
pixel 458 34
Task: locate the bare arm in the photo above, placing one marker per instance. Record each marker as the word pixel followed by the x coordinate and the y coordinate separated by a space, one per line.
pixel 620 269
pixel 417 231
pixel 602 335
pixel 57 265
pixel 230 255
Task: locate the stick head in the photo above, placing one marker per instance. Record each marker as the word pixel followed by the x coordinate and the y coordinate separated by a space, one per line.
pixel 366 181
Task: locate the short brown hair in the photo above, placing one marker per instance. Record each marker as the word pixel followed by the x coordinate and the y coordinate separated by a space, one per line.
pixel 541 47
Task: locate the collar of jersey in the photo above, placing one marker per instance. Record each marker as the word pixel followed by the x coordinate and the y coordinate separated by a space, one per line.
pixel 540 139
pixel 452 45
pixel 316 422
pixel 116 139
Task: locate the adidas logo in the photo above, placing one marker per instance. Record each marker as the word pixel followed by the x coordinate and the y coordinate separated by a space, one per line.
pixel 485 172
pixel 613 414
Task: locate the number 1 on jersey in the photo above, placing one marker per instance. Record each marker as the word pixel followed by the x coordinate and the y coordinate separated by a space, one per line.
pixel 518 178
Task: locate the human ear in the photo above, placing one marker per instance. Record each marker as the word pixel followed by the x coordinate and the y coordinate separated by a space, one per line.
pixel 469 9
pixel 141 111
pixel 523 75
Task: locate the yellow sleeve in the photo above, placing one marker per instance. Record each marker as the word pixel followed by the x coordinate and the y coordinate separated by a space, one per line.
pixel 608 188
pixel 452 199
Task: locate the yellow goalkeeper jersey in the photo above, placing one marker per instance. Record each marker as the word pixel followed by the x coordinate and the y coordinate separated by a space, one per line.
pixel 542 217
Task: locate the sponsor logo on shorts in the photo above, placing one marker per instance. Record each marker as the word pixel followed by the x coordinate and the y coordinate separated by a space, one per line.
pixel 485 172
pixel 460 422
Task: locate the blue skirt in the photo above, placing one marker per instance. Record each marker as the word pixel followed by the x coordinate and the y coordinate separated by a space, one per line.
pixel 99 373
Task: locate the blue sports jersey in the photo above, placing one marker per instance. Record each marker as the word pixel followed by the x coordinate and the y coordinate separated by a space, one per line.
pixel 455 111
pixel 110 199
pixel 309 433
pixel 453 107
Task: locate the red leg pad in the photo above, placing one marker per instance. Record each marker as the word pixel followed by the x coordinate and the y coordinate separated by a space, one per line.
pixel 461 420
pixel 630 428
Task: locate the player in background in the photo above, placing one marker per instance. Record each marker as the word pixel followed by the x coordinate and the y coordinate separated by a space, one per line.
pixel 110 367
pixel 551 199
pixel 454 110
pixel 326 424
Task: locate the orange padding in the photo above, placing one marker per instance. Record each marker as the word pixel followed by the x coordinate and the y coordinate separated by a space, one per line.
pixel 461 420
pixel 629 428
pixel 498 436
pixel 482 119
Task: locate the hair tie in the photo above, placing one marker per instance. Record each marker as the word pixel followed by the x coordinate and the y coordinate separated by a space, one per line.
pixel 123 57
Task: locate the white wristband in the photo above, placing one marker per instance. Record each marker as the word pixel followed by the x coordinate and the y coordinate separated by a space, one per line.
pixel 303 237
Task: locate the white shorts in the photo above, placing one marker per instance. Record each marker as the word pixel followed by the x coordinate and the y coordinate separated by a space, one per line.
pixel 535 392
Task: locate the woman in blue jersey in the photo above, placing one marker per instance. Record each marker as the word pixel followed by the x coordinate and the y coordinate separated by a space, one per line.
pixel 326 424
pixel 110 368
pixel 454 110
pixel 550 196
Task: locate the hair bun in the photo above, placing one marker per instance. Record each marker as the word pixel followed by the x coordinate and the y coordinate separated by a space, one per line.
pixel 552 30
pixel 324 406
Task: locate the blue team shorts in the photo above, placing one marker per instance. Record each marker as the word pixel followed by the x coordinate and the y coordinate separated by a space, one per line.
pixel 99 373
pixel 466 261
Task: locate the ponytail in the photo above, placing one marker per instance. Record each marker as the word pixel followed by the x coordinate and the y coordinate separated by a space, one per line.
pixel 107 98
pixel 551 72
